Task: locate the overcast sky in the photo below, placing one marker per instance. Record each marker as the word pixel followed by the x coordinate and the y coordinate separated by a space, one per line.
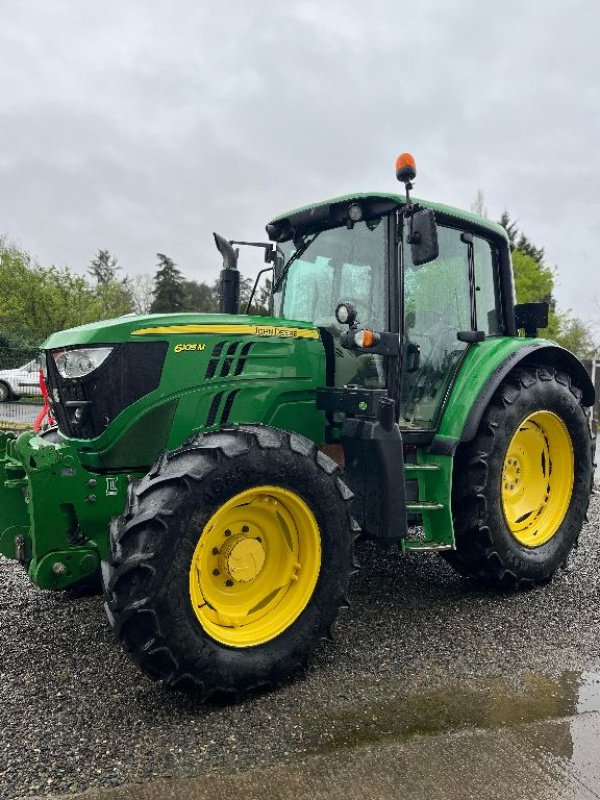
pixel 143 126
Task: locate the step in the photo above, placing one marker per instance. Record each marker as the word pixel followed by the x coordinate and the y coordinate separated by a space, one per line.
pixel 422 505
pixel 414 546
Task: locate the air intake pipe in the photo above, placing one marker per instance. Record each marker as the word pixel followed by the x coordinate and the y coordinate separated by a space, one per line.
pixel 229 279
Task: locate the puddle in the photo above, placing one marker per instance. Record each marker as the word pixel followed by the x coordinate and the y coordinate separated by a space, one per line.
pixel 484 705
pixel 533 740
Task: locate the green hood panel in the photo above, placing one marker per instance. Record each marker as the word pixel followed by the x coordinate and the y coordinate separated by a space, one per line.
pixel 124 329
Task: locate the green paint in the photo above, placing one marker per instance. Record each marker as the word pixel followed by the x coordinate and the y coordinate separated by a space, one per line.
pixel 480 363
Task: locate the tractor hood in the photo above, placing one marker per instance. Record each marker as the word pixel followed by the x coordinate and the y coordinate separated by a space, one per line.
pixel 137 328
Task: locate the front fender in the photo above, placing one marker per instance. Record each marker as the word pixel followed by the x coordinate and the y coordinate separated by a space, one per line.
pixel 485 366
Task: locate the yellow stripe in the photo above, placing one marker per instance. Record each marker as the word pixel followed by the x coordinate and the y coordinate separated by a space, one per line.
pixel 241 330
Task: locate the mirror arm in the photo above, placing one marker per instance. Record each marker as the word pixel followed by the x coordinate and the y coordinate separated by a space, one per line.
pixel 265 269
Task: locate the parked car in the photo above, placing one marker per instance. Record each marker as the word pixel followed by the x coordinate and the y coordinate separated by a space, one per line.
pixel 21 382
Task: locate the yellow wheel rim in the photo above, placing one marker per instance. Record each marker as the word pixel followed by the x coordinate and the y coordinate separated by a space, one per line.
pixel 255 566
pixel 537 478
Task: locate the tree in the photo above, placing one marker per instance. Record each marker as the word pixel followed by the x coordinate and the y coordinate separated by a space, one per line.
pixel 199 296
pixel 169 286
pixel 534 282
pixel 103 268
pixel 142 292
pixel 37 300
pixel 112 294
pixel 510 227
pixel 478 205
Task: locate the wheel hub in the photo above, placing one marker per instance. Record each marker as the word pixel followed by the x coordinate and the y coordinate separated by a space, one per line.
pixel 511 475
pixel 243 558
pixel 537 478
pixel 255 566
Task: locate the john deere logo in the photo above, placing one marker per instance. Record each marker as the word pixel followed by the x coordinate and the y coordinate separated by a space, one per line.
pixel 271 330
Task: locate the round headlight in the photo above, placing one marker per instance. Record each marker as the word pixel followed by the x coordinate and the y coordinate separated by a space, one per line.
pixel 80 361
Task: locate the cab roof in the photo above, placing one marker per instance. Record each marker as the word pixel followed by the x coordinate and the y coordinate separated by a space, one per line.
pixel 451 213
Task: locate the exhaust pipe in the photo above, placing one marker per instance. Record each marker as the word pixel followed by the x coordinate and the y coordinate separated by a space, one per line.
pixel 229 287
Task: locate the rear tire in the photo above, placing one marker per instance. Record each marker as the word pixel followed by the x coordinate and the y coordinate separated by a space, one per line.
pixel 177 613
pixel 516 516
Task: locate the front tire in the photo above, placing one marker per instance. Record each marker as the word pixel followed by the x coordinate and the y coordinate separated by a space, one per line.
pixel 522 486
pixel 231 561
pixel 5 392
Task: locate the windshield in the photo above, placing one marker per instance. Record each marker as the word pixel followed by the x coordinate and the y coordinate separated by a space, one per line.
pixel 338 265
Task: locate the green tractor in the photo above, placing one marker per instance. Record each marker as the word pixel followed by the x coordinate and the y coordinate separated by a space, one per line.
pixel 215 469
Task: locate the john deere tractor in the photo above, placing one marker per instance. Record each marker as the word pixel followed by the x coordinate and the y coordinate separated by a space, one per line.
pixel 215 469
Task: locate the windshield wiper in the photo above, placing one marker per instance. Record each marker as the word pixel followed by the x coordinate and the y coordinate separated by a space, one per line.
pixel 306 243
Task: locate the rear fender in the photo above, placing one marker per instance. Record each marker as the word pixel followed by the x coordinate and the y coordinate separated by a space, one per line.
pixel 485 367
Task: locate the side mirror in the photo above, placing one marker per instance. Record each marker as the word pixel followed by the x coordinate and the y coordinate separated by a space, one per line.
pixel 423 237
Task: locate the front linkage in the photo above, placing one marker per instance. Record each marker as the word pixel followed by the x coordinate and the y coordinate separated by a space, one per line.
pixel 45 490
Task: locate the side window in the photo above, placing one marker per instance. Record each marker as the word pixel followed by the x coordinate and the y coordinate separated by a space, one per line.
pixel 487 300
pixel 437 304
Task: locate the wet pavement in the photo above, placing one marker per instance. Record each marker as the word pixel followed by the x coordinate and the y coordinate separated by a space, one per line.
pixel 537 740
pixel 434 688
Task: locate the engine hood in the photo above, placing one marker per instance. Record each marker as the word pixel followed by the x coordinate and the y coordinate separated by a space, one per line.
pixel 132 328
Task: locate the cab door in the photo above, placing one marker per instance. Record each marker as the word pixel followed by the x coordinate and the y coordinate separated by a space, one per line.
pixel 438 303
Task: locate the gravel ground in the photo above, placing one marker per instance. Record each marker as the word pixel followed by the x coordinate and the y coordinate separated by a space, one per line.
pixel 75 713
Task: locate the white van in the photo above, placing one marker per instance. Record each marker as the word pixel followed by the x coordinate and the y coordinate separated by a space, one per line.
pixel 20 382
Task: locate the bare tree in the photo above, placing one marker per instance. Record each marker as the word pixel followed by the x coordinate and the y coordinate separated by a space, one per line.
pixel 478 205
pixel 142 288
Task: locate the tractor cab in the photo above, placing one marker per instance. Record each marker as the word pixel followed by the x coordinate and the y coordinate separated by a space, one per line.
pixel 435 280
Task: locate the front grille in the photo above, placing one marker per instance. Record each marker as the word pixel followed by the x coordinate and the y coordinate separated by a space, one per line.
pixel 131 371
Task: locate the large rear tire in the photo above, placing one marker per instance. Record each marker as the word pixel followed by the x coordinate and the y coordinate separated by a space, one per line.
pixel 522 486
pixel 231 561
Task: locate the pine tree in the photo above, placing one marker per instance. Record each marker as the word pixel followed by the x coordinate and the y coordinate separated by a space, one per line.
pixel 512 231
pixel 103 268
pixel 168 287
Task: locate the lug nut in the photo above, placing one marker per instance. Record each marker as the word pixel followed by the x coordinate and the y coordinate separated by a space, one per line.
pixel 216 571
pixel 228 583
pixel 227 532
pixel 215 551
pixel 245 529
pixel 58 568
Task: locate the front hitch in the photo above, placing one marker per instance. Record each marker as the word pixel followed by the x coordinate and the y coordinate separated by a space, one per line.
pixel 54 513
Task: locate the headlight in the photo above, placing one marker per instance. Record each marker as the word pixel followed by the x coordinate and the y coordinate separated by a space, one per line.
pixel 81 361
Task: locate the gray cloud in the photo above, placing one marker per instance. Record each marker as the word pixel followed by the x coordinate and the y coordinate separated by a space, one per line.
pixel 145 126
